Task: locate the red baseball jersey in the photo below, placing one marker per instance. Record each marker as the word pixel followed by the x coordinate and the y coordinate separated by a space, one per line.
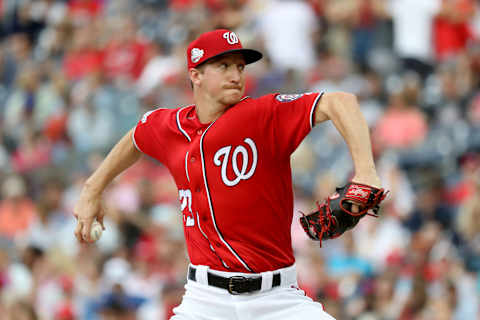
pixel 233 177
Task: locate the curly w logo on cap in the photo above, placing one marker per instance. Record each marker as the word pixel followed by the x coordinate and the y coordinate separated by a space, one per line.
pixel 215 43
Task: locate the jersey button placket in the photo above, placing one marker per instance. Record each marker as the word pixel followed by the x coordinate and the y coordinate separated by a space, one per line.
pixel 199 132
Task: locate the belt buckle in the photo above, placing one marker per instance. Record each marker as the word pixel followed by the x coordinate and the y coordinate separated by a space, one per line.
pixel 233 281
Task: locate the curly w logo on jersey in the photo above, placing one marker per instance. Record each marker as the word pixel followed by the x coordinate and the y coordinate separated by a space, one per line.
pixel 241 174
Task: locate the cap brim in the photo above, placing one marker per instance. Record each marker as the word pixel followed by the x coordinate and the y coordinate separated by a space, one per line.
pixel 250 55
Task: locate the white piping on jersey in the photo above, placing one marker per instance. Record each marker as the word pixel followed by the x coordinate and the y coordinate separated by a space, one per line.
pixel 210 203
pixel 133 139
pixel 244 98
pixel 211 247
pixel 199 227
pixel 186 167
pixel 180 127
pixel 312 111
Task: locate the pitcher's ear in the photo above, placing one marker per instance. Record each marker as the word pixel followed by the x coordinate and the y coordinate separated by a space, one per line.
pixel 194 75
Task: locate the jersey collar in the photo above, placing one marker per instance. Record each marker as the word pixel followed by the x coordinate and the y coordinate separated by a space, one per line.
pixel 189 120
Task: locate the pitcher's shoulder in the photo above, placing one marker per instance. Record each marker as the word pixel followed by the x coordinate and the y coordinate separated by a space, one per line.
pixel 163 113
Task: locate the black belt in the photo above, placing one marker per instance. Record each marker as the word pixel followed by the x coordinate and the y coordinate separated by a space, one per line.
pixel 235 284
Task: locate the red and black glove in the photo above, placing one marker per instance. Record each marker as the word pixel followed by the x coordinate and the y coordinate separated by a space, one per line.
pixel 334 215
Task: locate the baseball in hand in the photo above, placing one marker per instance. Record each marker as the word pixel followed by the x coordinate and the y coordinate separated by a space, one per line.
pixel 96 231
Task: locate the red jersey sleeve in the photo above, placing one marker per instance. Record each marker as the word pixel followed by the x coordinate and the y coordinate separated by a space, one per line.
pixel 292 118
pixel 146 136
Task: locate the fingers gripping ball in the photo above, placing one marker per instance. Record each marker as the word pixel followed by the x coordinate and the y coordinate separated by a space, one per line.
pixel 334 215
pixel 96 231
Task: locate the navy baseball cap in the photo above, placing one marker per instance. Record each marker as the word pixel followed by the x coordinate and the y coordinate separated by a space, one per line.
pixel 215 43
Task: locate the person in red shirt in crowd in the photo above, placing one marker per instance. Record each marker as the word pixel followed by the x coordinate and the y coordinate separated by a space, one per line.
pixel 229 155
pixel 125 55
pixel 83 57
pixel 451 28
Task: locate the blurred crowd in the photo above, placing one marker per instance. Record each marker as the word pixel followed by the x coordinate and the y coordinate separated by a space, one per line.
pixel 76 75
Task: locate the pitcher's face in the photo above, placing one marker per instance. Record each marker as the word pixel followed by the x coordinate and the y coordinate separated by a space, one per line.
pixel 223 78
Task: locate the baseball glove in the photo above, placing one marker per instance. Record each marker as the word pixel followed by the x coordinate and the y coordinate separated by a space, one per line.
pixel 334 215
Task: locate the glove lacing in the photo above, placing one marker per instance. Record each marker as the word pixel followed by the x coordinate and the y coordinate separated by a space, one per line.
pixel 327 221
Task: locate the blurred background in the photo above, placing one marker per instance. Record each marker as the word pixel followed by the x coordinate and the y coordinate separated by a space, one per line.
pixel 76 75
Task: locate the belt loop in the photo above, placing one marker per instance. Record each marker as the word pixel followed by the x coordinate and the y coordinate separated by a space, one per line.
pixel 202 274
pixel 288 276
pixel 285 277
pixel 267 281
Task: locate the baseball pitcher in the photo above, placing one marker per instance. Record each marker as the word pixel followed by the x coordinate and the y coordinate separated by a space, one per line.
pixel 229 155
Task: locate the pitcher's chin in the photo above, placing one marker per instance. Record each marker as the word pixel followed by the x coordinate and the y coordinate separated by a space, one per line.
pixel 232 98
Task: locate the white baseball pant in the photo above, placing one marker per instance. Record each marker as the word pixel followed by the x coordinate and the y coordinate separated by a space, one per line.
pixel 205 302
